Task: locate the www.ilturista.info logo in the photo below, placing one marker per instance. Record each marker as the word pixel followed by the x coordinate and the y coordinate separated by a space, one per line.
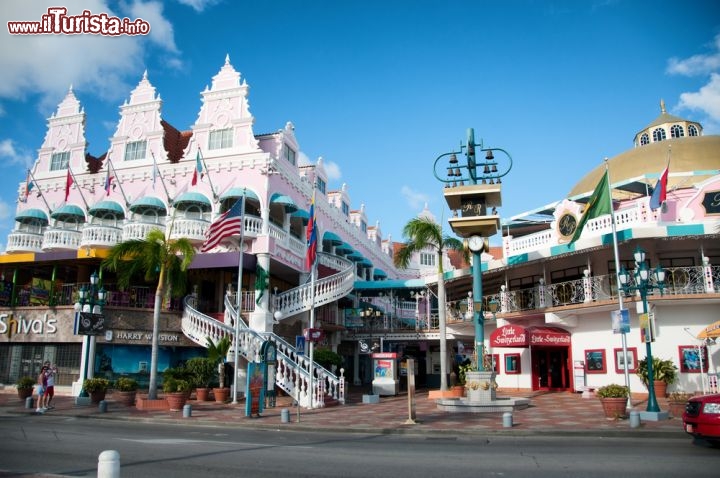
pixel 57 21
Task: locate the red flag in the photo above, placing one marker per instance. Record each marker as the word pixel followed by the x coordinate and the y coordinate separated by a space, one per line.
pixel 68 183
pixel 660 192
pixel 311 235
pixel 108 181
pixel 198 169
pixel 228 224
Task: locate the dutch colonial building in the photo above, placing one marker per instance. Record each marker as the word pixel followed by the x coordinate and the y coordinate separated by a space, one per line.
pixel 547 302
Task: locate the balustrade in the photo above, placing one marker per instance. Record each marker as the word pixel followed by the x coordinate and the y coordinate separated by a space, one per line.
pixel 19 241
pixel 61 239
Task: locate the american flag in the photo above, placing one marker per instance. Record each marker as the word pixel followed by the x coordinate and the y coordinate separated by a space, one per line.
pixel 228 224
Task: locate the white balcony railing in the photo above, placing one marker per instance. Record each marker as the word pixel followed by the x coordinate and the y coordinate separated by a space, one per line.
pixel 94 235
pixel 19 241
pixel 55 239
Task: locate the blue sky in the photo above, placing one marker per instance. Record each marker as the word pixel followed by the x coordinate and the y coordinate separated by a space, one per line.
pixel 380 89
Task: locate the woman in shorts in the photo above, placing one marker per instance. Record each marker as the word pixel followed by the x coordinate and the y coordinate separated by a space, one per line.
pixel 40 390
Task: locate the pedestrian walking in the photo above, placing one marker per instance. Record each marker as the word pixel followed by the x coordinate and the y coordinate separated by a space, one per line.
pixel 50 373
pixel 40 391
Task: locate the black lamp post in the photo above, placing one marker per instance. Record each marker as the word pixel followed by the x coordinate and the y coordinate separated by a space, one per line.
pixel 643 285
pixel 90 301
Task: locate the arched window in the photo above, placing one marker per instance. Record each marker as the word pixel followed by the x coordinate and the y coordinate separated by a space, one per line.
pixel 659 135
pixel 692 130
pixel 677 131
pixel 644 139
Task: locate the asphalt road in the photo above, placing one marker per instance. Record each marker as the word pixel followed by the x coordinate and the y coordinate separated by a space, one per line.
pixel 70 447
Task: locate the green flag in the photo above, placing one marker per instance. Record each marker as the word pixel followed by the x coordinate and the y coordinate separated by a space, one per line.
pixel 600 203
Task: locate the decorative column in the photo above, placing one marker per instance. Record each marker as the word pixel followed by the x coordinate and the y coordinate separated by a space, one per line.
pixel 587 285
pixel 261 320
pixel 707 275
pixel 541 294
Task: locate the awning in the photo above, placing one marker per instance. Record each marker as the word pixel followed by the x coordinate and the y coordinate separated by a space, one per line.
pixel 517 336
pixel 344 248
pixel 68 212
pixel 238 192
pixel 356 257
pixel 148 203
pixel 107 207
pixel 302 214
pixel 285 201
pixel 379 273
pixel 332 238
pixel 712 331
pixel 195 199
pixel 31 215
pixel 366 263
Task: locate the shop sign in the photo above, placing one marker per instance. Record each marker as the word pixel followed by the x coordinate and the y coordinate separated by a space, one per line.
pixel 139 336
pixel 10 326
pixel 711 202
pixel 509 336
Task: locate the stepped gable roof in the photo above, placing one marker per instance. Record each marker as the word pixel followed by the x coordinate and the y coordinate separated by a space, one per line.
pixel 174 141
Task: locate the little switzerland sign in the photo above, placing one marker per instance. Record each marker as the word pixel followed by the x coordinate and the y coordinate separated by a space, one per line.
pixel 517 336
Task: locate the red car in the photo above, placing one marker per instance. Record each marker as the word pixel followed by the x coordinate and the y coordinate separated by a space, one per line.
pixel 702 418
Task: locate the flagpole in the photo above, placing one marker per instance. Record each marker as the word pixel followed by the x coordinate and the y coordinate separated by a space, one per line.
pixel 212 188
pixel 167 194
pixel 313 274
pixel 39 190
pixel 623 334
pixel 238 299
pixel 117 179
pixel 78 188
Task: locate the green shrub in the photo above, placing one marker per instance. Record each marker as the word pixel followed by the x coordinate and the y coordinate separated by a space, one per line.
pixel 663 370
pixel 612 391
pixel 327 358
pixel 96 385
pixel 173 385
pixel 126 384
pixel 202 370
pixel 25 383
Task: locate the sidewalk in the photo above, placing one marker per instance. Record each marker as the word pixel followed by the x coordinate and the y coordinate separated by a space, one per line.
pixel 561 413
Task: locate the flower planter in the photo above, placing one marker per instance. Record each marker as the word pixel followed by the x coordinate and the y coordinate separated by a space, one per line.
pixel 614 408
pixel 176 400
pixel 660 388
pixel 677 408
pixel 24 393
pixel 126 398
pixel 221 394
pixel 202 394
pixel 97 396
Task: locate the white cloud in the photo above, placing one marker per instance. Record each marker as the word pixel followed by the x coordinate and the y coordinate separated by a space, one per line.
pixel 333 170
pixel 697 64
pixel 707 99
pixel 415 200
pixel 303 159
pixel 48 64
pixel 161 30
pixel 199 5
pixel 7 150
pixel 6 211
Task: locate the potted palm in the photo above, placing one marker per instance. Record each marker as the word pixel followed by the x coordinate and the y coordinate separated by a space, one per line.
pixel 96 388
pixel 24 387
pixel 176 392
pixel 126 390
pixel 614 399
pixel 664 373
pixel 217 353
pixel 202 370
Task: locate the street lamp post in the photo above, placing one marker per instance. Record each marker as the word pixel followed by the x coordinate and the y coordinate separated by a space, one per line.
pixel 643 285
pixel 89 302
pixel 473 189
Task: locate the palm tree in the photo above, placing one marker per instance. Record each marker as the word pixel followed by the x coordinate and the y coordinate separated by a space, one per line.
pixel 424 233
pixel 217 353
pixel 159 260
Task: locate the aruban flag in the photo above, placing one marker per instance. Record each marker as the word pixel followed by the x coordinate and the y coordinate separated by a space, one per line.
pixel 68 183
pixel 600 203
pixel 660 192
pixel 198 169
pixel 108 181
pixel 311 235
pixel 228 224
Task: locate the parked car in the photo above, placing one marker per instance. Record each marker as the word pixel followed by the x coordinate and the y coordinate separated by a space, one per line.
pixel 702 418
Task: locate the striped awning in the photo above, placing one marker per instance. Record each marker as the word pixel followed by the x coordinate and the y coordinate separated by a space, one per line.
pixel 237 192
pixel 107 207
pixel 148 203
pixel 192 198
pixel 32 215
pixel 332 238
pixel 68 212
pixel 285 201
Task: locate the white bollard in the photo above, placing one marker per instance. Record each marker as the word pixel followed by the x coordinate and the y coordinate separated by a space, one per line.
pixel 109 464
pixel 507 420
pixel 634 419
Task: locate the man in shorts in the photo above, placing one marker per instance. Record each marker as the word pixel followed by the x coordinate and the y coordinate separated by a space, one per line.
pixel 40 390
pixel 50 373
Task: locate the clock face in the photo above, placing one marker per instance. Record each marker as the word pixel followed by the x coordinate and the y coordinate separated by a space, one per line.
pixel 475 243
pixel 567 224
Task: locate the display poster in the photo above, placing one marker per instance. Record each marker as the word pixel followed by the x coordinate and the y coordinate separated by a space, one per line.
pixel 255 389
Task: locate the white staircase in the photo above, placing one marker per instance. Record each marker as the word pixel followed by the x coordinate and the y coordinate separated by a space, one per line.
pixel 292 371
pixel 327 290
